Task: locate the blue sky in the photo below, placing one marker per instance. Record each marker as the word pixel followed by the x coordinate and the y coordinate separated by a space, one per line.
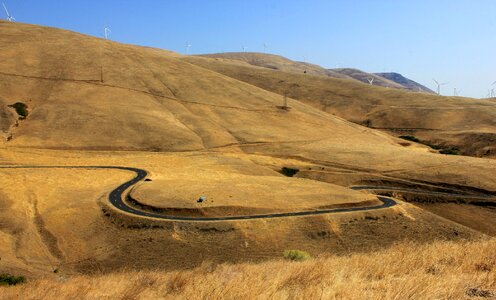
pixel 451 40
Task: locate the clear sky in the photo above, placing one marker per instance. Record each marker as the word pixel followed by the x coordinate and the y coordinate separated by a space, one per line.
pixel 451 40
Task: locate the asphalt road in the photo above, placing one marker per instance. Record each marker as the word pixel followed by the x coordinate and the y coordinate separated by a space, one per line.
pixel 116 199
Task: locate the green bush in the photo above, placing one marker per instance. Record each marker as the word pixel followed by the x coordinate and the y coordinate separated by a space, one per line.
pixel 21 109
pixel 6 279
pixel 435 147
pixel 450 151
pixel 290 172
pixel 296 255
pixel 409 138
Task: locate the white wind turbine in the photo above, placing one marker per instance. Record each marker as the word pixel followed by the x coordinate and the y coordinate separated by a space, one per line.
pixel 439 85
pixel 456 92
pixel 243 47
pixel 107 32
pixel 371 80
pixel 490 92
pixel 9 16
pixel 265 48
pixel 188 45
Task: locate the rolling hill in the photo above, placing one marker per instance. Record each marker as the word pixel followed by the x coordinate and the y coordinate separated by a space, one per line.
pixel 444 122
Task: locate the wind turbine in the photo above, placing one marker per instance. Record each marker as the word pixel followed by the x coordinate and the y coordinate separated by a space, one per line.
pixel 243 47
pixel 9 16
pixel 265 47
pixel 370 80
pixel 188 45
pixel 107 32
pixel 456 92
pixel 439 85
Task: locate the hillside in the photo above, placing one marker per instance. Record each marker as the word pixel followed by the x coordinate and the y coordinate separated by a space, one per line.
pixel 159 103
pixel 276 62
pixel 202 127
pixel 464 123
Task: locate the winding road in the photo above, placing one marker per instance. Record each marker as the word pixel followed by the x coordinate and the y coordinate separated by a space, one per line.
pixel 116 199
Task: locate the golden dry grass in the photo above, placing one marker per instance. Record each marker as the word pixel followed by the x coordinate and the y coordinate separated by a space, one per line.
pixel 442 270
pixel 193 124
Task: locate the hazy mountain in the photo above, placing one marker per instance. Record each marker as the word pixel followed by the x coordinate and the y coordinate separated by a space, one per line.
pixel 408 83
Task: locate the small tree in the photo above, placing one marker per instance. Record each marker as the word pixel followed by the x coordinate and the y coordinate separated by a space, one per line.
pixel 290 172
pixel 296 255
pixel 21 109
pixel 6 279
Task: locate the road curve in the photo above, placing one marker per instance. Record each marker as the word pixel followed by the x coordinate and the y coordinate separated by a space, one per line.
pixel 116 199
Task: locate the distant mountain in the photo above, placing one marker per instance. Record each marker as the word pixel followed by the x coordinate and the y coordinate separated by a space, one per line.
pixel 368 78
pixel 407 83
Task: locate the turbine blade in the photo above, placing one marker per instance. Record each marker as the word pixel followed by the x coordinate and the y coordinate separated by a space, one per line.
pixel 6 11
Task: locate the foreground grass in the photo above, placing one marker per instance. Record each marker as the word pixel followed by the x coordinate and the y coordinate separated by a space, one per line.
pixel 442 270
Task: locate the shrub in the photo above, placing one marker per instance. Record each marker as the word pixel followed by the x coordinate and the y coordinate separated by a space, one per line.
pixel 6 279
pixel 296 255
pixel 367 123
pixel 450 151
pixel 409 138
pixel 21 109
pixel 290 172
pixel 435 147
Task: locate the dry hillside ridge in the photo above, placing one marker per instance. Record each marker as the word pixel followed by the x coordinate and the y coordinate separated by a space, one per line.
pixel 280 63
pixel 275 62
pixel 465 123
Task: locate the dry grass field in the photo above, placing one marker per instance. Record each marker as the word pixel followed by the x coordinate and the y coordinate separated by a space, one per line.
pixel 52 219
pixel 198 132
pixel 442 270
